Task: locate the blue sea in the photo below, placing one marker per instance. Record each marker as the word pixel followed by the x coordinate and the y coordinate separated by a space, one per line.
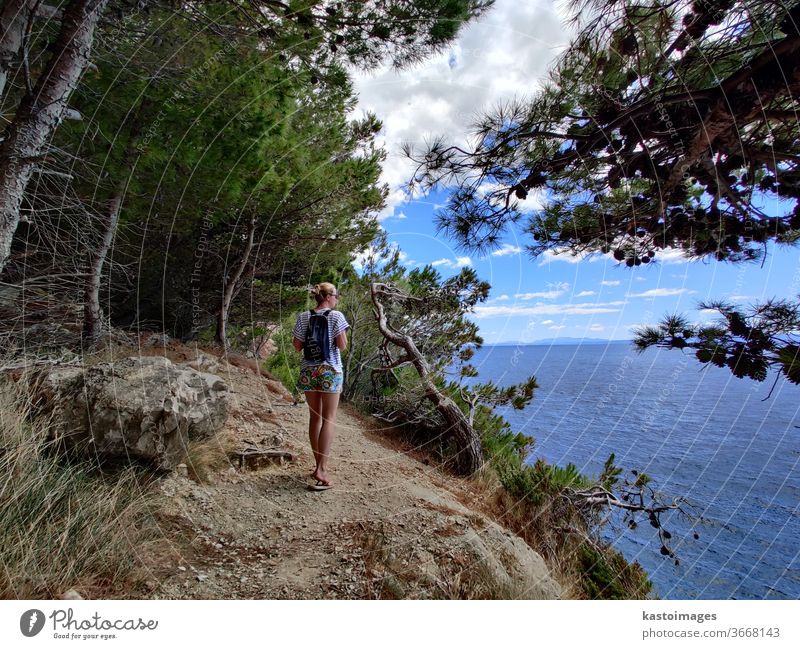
pixel 698 432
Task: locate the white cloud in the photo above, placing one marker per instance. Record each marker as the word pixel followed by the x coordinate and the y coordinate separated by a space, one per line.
pixel 610 282
pixel 659 292
pixel 395 198
pixel 562 255
pixel 585 294
pixel 360 259
pixel 587 308
pixel 639 278
pixel 547 322
pixel 597 327
pixel 507 249
pixel 558 327
pixel 532 202
pixel 557 289
pixel 494 59
pixel 458 262
pixel 671 256
pixel 495 300
pixel 546 295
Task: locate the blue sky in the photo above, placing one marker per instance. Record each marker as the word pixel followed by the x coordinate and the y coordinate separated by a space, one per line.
pixel 503 57
pixel 559 296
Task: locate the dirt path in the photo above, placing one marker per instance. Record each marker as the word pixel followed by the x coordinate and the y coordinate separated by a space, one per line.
pixel 391 526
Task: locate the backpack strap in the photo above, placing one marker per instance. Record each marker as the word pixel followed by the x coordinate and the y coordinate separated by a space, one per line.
pixel 308 327
pixel 312 313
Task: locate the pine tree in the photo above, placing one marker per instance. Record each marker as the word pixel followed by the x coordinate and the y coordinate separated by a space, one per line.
pixel 664 125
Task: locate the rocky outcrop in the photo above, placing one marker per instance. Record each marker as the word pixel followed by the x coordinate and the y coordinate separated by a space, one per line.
pixel 145 408
pixel 507 565
pixel 466 554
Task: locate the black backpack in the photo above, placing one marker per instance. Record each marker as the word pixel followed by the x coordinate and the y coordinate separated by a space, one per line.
pixel 317 347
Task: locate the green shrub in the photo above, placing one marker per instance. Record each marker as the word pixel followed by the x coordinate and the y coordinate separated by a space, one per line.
pixel 539 512
pixel 607 575
pixel 284 362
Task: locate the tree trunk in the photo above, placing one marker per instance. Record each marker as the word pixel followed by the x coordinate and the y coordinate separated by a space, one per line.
pixel 470 455
pixel 232 287
pixel 14 18
pixel 40 111
pixel 12 29
pixel 92 313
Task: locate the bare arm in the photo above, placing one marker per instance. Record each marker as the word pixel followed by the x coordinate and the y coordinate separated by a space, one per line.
pixel 341 341
pixel 298 344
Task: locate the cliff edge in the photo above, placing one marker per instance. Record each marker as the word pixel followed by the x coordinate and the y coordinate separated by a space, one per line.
pixel 392 526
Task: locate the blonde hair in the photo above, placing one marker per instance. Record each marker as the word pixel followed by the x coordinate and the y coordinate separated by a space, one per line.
pixel 321 291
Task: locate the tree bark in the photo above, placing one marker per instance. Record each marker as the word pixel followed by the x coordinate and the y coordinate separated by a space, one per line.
pixel 232 287
pixel 12 28
pixel 14 18
pixel 470 456
pixel 40 112
pixel 92 313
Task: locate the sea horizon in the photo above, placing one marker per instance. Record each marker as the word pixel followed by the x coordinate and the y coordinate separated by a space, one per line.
pixel 559 341
pixel 699 432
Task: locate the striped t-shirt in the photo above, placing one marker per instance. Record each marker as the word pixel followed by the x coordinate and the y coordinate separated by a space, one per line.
pixel 336 325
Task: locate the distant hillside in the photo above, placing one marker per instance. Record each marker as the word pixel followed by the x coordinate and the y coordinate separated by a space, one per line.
pixel 563 341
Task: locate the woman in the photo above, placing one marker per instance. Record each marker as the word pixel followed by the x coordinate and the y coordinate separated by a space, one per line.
pixel 322 381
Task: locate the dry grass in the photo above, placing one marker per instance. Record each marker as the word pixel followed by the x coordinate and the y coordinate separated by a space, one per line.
pixel 66 524
pixel 175 351
pixel 476 582
pixel 206 457
pixel 541 527
pixel 557 533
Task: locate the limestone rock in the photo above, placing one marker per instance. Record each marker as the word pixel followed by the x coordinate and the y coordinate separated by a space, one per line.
pixel 157 340
pixel 205 363
pixel 71 594
pixel 145 408
pixel 266 349
pixel 507 564
pixel 273 440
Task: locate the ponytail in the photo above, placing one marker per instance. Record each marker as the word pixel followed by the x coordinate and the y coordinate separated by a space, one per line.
pixel 320 292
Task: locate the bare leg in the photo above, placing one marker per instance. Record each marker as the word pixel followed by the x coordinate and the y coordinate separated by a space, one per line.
pixel 330 404
pixel 314 400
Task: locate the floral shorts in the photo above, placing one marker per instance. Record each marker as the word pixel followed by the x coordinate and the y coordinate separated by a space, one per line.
pixel 320 378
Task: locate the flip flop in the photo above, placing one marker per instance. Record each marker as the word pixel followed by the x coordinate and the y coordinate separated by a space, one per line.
pixel 320 486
